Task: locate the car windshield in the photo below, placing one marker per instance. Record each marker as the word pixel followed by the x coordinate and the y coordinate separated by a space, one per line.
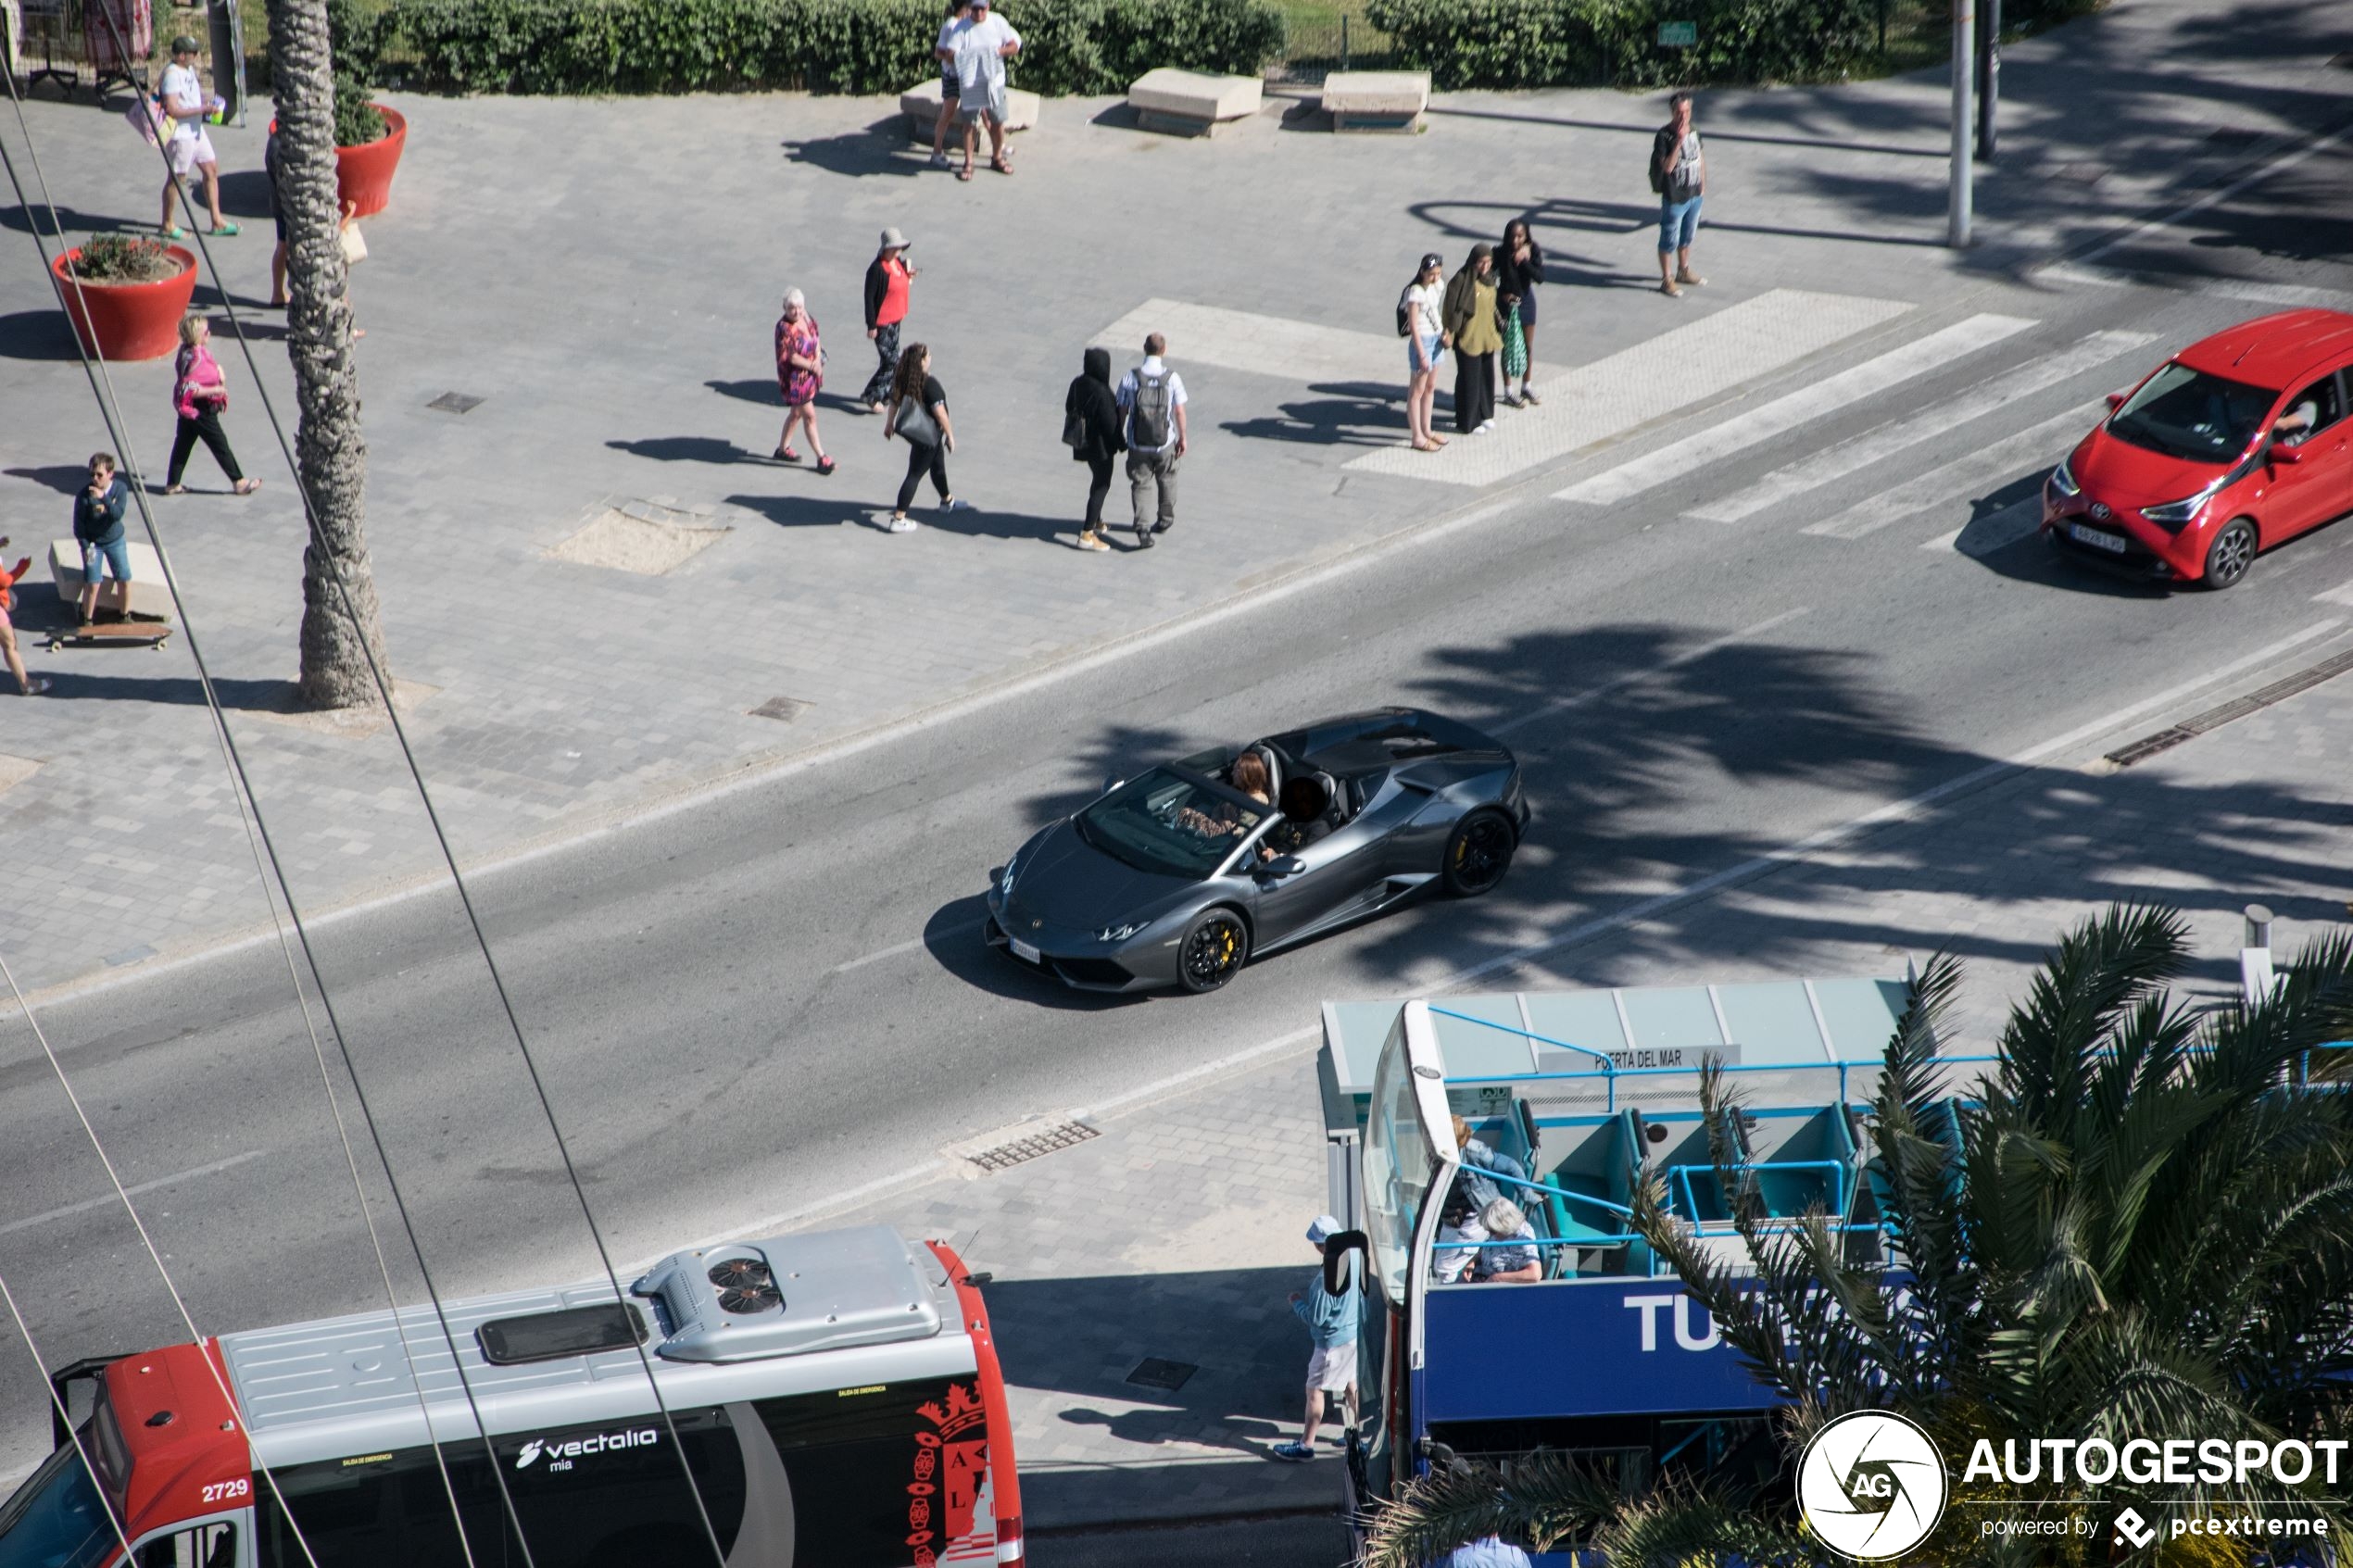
pixel 1172 823
pixel 56 1520
pixel 2188 414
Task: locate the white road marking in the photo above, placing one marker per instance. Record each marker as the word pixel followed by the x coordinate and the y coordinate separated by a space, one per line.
pixel 2278 165
pixel 1634 677
pixel 1783 414
pixel 865 958
pixel 1877 445
pixel 109 1200
pixel 2289 295
pixel 1943 541
pixel 2341 594
pixel 2001 461
pixel 1267 346
pixel 1619 394
pixel 1895 812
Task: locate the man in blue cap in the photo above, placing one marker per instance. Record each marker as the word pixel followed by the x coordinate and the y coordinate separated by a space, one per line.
pixel 1331 1328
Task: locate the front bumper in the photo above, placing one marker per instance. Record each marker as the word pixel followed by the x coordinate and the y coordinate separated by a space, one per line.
pixel 2150 554
pixel 1078 961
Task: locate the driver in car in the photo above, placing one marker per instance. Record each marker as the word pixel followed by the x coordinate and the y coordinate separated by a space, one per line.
pixel 1246 773
pixel 2297 422
pixel 1306 818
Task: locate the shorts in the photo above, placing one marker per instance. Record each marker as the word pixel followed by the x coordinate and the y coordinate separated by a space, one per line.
pixel 1430 347
pixel 1527 309
pixel 114 555
pixel 987 103
pixel 190 146
pixel 947 86
pixel 1333 1370
pixel 1678 223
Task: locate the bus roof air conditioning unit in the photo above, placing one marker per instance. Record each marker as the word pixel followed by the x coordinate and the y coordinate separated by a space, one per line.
pixel 791 1295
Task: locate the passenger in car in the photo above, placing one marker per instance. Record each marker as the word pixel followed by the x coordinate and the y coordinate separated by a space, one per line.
pixel 1507 1265
pixel 1246 773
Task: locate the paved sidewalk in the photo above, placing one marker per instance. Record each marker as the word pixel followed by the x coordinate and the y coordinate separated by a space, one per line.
pixel 1175 1233
pixel 613 317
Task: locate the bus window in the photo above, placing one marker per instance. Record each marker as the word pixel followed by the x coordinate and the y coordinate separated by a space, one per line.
pixel 56 1519
pixel 205 1546
pixel 882 1476
pixel 1397 1164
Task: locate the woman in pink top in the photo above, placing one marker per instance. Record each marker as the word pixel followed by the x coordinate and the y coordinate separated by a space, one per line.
pixel 199 392
pixel 800 370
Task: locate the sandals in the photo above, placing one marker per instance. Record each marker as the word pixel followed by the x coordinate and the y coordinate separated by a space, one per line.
pixel 175 233
pixel 226 229
pixel 786 455
pixel 965 172
pixel 175 490
pixel 247 487
pixel 825 465
pixel 1001 165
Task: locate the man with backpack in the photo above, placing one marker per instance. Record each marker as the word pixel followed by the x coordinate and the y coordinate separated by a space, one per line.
pixel 1679 175
pixel 1152 400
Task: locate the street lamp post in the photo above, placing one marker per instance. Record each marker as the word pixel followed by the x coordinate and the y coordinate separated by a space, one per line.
pixel 1963 70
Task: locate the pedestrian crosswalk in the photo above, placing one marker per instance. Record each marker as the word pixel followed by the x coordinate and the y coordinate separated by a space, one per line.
pixel 1877 445
pixel 1238 340
pixel 2038 445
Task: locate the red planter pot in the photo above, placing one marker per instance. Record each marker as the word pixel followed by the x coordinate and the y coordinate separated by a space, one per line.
pixel 364 174
pixel 128 321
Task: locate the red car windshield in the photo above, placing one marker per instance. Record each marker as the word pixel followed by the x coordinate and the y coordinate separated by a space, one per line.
pixel 2190 415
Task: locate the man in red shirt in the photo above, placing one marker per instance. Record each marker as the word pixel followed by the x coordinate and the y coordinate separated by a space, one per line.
pixel 886 280
pixel 8 576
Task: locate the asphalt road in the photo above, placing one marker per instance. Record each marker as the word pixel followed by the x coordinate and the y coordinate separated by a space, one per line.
pixel 750 1006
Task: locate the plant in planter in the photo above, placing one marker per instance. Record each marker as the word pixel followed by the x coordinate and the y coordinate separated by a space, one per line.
pixel 358 120
pixel 125 294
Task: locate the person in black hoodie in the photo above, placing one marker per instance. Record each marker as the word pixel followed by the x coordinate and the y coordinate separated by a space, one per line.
pixel 1091 426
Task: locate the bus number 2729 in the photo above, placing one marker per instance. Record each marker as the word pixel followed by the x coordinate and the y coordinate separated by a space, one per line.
pixel 223 1491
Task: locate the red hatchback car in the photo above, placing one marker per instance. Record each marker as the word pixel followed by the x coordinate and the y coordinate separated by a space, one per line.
pixel 2233 445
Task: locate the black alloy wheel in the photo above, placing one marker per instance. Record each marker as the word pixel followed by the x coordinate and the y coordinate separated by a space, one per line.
pixel 1478 853
pixel 1213 949
pixel 2231 554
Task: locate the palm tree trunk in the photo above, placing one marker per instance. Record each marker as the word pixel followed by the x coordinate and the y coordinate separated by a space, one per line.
pixel 330 455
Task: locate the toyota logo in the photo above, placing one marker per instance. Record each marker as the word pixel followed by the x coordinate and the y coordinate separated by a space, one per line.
pixel 2100 513
pixel 1036 923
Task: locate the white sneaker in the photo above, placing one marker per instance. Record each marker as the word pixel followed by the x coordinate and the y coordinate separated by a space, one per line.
pixel 903 525
pixel 1484 428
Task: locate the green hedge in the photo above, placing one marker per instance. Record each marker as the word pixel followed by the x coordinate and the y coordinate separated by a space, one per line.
pixel 821 45
pixel 1551 43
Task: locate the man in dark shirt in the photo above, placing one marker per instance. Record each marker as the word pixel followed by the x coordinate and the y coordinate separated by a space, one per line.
pixel 1679 173
pixel 97 527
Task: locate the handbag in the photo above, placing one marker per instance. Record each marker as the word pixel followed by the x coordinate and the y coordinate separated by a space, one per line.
pixel 355 246
pixel 1074 430
pixel 915 423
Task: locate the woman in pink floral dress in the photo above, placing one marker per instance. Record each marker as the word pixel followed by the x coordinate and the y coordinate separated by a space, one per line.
pixel 800 370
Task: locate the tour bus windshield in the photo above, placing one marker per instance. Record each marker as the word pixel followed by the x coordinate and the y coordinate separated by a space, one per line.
pixel 57 1519
pixel 1397 1164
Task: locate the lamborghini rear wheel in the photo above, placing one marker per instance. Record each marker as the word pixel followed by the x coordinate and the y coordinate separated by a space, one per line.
pixel 1212 949
pixel 1478 853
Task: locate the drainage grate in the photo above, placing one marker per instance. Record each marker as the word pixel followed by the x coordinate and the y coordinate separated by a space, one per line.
pixel 456 403
pixel 1005 1155
pixel 2215 718
pixel 786 708
pixel 1153 1372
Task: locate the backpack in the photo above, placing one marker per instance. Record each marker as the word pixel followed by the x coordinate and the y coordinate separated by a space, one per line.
pixel 1658 181
pixel 1405 312
pixel 1148 418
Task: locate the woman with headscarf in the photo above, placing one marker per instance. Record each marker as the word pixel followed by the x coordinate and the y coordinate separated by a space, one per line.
pixel 1520 267
pixel 800 370
pixel 1472 322
pixel 1091 426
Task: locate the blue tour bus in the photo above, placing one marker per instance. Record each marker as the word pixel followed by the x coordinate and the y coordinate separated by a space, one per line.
pixel 1606 1356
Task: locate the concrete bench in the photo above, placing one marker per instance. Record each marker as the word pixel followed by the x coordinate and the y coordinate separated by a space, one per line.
pixel 920 106
pixel 1377 100
pixel 1187 102
pixel 149 594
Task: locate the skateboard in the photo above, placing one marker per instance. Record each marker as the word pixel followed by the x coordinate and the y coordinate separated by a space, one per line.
pixel 113 634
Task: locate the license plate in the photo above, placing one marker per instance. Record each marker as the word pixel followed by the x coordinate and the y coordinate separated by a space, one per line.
pixel 1023 952
pixel 2112 543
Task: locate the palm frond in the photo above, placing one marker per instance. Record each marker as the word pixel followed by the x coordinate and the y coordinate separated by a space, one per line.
pixel 1543 1498
pixel 1680 1524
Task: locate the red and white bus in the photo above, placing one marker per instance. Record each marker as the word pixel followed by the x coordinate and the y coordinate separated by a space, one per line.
pixel 835 1395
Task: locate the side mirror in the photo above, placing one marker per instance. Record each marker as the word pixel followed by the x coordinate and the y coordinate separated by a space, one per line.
pixel 2280 454
pixel 2115 401
pixel 1336 1246
pixel 1283 865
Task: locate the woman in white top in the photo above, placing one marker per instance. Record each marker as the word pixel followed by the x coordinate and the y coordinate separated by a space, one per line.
pixel 183 99
pixel 1426 341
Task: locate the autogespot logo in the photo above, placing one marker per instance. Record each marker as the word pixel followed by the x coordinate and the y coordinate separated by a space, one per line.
pixel 2132 1530
pixel 1871 1485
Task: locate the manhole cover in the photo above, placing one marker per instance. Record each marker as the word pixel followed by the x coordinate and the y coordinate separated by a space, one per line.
pixel 785 707
pixel 1062 1134
pixel 1153 1372
pixel 455 403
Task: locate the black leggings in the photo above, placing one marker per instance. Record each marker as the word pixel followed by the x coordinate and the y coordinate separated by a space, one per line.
pixel 1098 486
pixel 205 427
pixel 923 455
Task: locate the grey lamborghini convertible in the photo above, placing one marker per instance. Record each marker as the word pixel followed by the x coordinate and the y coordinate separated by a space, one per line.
pixel 1181 874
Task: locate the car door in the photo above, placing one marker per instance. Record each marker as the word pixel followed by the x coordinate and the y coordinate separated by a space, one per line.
pixel 1334 873
pixel 2311 475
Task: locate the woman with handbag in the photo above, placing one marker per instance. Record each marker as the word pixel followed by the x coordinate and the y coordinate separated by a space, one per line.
pixel 919 416
pixel 800 371
pixel 199 395
pixel 1091 430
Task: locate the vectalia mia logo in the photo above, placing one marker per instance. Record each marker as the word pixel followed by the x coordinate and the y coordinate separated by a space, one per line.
pixel 1871 1485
